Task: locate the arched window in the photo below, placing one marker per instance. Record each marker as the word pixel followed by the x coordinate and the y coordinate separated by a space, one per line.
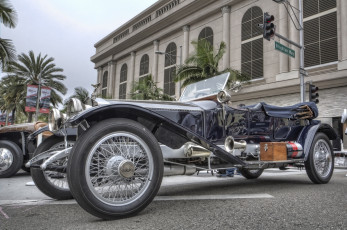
pixel 320 37
pixel 207 34
pixel 170 69
pixel 144 65
pixel 104 85
pixel 252 43
pixel 123 82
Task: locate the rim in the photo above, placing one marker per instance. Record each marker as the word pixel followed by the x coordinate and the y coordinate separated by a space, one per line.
pixel 6 159
pixel 119 168
pixel 58 179
pixel 322 158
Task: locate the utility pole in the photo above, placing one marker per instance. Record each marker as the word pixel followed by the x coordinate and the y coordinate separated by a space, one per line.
pixel 269 31
pixel 302 62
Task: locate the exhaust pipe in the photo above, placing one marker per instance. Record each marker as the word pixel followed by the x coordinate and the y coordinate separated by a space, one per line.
pixel 173 170
pixel 193 150
pixel 230 144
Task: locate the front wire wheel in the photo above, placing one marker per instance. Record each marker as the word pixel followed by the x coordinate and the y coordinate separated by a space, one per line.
pixel 116 169
pixel 53 184
pixel 320 163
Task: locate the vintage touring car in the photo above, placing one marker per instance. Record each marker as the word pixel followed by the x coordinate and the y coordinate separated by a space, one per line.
pixel 124 148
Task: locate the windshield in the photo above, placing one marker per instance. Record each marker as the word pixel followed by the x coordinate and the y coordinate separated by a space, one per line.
pixel 205 88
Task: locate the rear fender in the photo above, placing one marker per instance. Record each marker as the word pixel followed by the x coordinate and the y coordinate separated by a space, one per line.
pixel 323 128
pixel 166 131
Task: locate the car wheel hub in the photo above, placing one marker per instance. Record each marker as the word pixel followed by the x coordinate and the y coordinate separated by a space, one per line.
pixel 322 158
pixel 6 159
pixel 119 166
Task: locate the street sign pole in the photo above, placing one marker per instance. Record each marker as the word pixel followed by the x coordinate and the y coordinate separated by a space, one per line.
pixel 302 63
pixel 302 71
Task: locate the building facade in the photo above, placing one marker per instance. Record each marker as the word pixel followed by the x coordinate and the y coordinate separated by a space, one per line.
pixel 159 38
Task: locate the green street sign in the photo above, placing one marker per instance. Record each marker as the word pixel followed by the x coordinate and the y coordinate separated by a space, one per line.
pixel 284 49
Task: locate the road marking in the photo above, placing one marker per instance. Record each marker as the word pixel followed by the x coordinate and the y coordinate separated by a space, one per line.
pixel 3 213
pixel 213 197
pixel 157 198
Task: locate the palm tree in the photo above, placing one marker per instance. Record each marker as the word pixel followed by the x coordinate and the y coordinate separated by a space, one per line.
pixel 12 96
pixel 81 94
pixel 8 17
pixel 30 69
pixel 203 64
pixel 146 89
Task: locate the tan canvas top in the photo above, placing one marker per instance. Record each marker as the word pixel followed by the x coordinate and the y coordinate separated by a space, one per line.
pixel 24 127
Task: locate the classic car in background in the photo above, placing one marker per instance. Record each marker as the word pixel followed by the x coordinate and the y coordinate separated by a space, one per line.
pixel 124 148
pixel 15 147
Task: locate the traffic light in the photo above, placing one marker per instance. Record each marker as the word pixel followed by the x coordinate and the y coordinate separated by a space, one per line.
pixel 268 26
pixel 312 93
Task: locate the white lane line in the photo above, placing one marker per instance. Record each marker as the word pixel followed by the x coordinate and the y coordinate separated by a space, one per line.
pixel 4 214
pixel 34 202
pixel 213 197
pixel 157 198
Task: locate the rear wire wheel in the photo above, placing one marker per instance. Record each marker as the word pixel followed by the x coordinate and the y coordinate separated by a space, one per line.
pixel 320 162
pixel 116 169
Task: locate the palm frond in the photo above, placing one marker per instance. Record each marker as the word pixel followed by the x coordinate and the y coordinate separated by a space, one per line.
pixel 8 15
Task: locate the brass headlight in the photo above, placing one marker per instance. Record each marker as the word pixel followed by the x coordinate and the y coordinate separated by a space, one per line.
pixel 74 106
pixel 55 119
pixel 223 96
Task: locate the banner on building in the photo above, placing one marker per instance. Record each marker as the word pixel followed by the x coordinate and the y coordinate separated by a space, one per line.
pixel 31 99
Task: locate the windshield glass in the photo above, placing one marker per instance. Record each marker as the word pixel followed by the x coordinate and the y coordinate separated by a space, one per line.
pixel 205 88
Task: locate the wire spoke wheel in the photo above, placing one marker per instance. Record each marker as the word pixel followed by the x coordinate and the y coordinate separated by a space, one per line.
pixel 119 168
pixel 53 181
pixel 322 158
pixel 115 168
pixel 320 161
pixel 58 179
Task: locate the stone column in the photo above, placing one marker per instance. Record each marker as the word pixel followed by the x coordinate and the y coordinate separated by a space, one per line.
pixel 99 80
pixel 131 78
pixel 226 35
pixel 155 60
pixel 343 25
pixel 185 47
pixel 294 35
pixel 283 30
pixel 111 79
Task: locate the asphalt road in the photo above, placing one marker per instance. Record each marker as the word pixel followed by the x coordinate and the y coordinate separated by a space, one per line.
pixel 276 200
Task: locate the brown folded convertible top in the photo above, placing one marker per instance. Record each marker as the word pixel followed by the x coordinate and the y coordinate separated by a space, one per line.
pixel 24 127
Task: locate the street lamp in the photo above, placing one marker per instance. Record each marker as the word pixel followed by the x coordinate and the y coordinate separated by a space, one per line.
pixel 170 57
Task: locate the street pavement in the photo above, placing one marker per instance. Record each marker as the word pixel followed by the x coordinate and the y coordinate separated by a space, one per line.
pixel 276 200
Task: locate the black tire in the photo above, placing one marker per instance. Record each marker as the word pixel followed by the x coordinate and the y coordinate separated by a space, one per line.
pixel 251 173
pixel 56 188
pixel 88 161
pixel 314 171
pixel 25 168
pixel 10 150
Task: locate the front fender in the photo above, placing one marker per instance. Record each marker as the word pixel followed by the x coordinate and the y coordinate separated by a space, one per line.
pixel 324 128
pixel 158 124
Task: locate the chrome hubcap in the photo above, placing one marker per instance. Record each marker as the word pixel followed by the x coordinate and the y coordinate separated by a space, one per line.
pixel 6 159
pixel 119 166
pixel 322 158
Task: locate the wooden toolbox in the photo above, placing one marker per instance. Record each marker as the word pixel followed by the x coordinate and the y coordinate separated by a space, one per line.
pixel 273 151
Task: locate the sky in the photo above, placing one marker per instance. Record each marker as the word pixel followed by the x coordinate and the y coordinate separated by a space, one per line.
pixel 67 31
